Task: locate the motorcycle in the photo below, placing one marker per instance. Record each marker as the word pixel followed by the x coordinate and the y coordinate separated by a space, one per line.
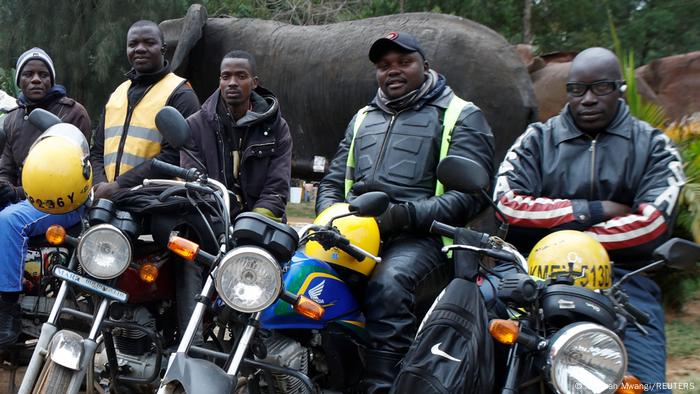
pixel 559 337
pixel 269 293
pixel 125 278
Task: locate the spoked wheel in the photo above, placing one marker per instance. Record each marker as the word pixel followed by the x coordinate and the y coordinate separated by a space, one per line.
pixel 54 379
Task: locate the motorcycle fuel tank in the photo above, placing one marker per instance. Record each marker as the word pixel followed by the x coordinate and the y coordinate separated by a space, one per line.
pixel 316 280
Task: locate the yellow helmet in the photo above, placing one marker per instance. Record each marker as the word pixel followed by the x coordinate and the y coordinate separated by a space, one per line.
pixel 56 176
pixel 361 231
pixel 553 253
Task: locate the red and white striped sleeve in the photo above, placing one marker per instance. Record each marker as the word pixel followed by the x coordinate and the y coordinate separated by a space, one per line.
pixel 539 212
pixel 655 200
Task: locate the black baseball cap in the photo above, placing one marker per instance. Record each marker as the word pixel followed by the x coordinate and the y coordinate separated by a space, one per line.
pixel 394 40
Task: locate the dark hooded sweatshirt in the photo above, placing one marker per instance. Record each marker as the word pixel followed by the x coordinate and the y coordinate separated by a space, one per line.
pixel 265 144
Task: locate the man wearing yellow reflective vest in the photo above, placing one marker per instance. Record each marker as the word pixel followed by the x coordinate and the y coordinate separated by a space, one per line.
pixel 394 145
pixel 127 138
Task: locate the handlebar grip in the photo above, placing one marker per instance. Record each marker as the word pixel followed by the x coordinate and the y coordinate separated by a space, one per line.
pixel 354 252
pixel 501 255
pixel 641 317
pixel 174 171
pixel 442 229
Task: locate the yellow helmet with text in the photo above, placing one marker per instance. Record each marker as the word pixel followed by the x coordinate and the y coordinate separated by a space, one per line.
pixel 553 253
pixel 57 176
pixel 362 232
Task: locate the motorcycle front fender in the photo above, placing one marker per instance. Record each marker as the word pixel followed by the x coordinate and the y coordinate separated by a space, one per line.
pixel 66 349
pixel 198 376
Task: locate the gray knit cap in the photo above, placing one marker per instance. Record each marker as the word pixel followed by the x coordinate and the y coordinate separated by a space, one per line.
pixel 35 54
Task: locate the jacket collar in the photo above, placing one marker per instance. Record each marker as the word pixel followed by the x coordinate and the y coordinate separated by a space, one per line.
pixel 265 106
pixel 619 126
pixel 149 78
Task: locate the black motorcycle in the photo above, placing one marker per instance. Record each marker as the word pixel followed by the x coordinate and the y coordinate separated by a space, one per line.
pixel 557 337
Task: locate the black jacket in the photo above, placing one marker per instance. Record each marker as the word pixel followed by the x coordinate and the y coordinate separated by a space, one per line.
pixel 399 156
pixel 266 158
pixel 21 134
pixel 555 177
pixel 183 99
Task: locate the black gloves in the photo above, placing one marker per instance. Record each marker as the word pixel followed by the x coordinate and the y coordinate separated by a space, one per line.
pixel 396 219
pixel 10 194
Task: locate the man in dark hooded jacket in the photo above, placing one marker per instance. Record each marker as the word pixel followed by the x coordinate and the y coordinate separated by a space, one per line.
pixel 394 145
pixel 242 139
pixel 19 220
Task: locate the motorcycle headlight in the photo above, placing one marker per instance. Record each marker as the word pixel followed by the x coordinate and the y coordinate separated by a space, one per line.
pixel 104 252
pixel 586 358
pixel 249 279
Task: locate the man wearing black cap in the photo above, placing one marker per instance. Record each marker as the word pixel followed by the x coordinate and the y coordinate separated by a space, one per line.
pixel 19 220
pixel 394 145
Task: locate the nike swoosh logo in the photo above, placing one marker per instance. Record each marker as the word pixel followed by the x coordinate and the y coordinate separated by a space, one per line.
pixel 436 351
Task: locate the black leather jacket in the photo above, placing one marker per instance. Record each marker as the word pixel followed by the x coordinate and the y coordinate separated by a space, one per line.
pixel 399 155
pixel 555 177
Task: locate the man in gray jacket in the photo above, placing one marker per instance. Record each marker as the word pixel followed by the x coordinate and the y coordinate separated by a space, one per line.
pixel 394 145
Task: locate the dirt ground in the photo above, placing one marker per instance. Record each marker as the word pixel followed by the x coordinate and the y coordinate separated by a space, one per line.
pixel 686 368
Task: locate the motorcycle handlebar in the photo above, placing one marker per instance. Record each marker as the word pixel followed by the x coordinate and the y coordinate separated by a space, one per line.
pixel 641 316
pixel 442 229
pixel 174 171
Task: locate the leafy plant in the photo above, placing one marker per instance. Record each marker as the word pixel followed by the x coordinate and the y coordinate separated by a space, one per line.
pixel 7 81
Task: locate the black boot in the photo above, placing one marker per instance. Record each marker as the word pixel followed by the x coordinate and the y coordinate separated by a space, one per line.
pixel 10 322
pixel 381 368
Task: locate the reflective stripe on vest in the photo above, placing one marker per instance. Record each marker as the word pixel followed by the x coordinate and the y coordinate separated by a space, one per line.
pixel 143 139
pixel 454 109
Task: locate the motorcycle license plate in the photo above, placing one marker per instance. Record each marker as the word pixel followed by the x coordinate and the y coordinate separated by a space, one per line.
pixel 89 284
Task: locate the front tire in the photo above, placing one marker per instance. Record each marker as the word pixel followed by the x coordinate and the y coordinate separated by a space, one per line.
pixel 54 379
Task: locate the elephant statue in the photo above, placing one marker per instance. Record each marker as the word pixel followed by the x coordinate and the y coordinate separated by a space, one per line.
pixel 322 75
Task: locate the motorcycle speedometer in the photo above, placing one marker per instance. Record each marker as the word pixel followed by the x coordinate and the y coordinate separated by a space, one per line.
pixel 249 279
pixel 586 358
pixel 104 252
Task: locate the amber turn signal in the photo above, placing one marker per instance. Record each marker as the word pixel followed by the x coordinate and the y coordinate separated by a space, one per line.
pixel 306 307
pixel 183 247
pixel 504 331
pixel 56 235
pixel 630 385
pixel 148 273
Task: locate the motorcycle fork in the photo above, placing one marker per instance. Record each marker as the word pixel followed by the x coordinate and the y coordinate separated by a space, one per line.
pixel 48 329
pixel 242 346
pixel 511 385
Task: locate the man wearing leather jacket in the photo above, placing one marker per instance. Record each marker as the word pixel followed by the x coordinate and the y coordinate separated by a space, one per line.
pixel 127 137
pixel 242 139
pixel 597 169
pixel 19 220
pixel 394 145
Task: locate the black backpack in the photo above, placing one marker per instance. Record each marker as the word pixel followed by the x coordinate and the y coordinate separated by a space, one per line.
pixel 453 351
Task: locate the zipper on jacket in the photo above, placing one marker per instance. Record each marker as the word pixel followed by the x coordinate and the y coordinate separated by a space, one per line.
pixel 381 148
pixel 223 150
pixel 592 149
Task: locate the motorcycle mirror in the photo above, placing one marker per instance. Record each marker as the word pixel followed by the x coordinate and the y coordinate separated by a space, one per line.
pixel 43 119
pixel 462 174
pixel 173 127
pixel 370 204
pixel 679 253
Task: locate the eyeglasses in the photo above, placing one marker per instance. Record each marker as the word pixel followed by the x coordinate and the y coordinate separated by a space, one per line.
pixel 600 88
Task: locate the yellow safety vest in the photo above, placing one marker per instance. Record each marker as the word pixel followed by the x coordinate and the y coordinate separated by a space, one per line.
pixel 143 139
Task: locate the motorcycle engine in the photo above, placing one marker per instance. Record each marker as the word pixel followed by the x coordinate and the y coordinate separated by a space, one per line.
pixel 287 353
pixel 134 348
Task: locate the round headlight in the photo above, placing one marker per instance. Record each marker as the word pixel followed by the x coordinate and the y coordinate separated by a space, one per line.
pixel 249 279
pixel 586 358
pixel 104 252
